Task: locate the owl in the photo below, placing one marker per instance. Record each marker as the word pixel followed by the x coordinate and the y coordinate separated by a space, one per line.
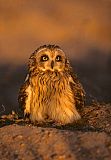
pixel 51 90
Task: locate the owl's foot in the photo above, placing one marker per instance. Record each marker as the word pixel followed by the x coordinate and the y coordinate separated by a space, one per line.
pixel 27 117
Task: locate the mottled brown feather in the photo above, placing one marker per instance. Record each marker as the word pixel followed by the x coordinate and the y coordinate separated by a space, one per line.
pixel 78 92
pixel 23 95
pixel 76 86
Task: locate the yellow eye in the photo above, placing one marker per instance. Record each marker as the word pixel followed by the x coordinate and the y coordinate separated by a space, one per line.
pixel 58 58
pixel 44 58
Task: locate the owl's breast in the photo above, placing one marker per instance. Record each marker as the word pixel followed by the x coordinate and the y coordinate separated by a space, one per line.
pixel 48 86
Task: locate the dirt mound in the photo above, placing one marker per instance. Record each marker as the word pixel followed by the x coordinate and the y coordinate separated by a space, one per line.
pixel 88 139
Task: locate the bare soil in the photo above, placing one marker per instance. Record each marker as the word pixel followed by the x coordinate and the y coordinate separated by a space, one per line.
pixel 89 139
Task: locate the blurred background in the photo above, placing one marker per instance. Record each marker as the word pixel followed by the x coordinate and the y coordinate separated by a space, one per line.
pixel 81 28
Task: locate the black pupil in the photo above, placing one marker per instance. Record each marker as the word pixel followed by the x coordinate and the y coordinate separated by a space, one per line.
pixel 44 58
pixel 58 58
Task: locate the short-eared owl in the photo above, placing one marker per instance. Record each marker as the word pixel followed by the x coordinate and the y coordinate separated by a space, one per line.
pixel 51 90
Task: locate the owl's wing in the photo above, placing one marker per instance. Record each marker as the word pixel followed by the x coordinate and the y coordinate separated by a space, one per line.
pixel 77 90
pixel 24 97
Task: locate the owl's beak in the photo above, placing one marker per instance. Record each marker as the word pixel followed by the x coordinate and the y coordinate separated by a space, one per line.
pixel 52 64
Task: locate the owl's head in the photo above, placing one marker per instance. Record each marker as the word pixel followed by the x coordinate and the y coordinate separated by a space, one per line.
pixel 48 58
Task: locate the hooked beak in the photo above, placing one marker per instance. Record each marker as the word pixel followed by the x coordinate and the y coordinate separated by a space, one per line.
pixel 52 64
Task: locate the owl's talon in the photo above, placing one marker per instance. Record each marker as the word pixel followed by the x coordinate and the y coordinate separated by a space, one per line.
pixel 27 115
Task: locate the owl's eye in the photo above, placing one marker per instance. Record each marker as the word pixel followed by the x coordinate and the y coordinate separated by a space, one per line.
pixel 58 58
pixel 44 58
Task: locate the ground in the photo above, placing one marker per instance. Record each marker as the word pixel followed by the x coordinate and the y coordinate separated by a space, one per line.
pixel 89 139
